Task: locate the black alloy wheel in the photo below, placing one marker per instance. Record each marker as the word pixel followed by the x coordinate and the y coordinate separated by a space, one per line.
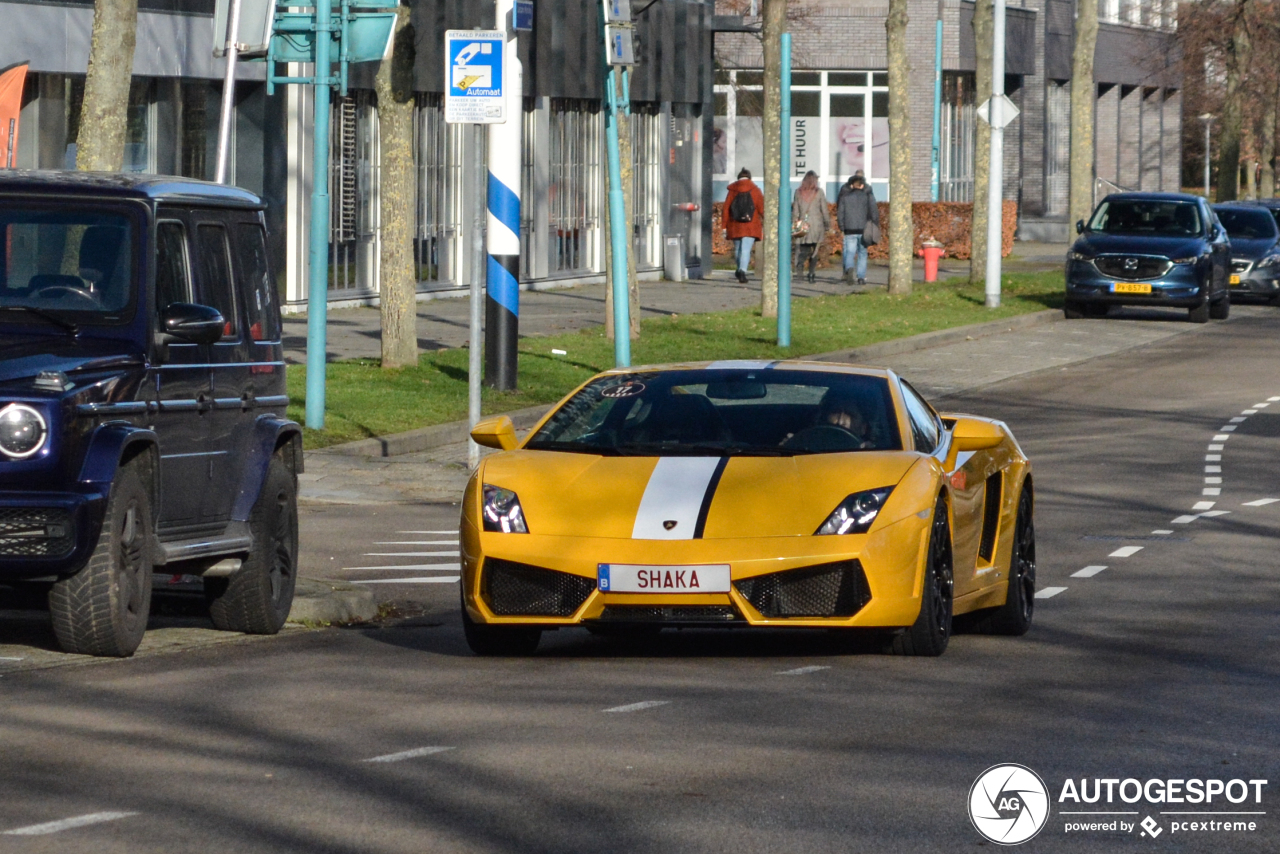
pixel 929 635
pixel 507 641
pixel 1014 616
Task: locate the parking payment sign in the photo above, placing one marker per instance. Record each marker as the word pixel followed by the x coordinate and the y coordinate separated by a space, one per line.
pixel 474 75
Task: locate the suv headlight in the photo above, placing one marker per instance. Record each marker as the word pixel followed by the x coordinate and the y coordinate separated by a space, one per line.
pixel 1078 256
pixel 502 511
pixel 1190 259
pixel 1270 261
pixel 23 431
pixel 855 514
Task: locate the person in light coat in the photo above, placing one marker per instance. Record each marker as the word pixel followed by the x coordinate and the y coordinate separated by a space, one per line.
pixel 810 217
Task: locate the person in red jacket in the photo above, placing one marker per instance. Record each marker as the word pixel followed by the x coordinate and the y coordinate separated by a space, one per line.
pixel 744 221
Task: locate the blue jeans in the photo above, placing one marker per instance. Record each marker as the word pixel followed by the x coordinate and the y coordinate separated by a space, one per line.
pixel 853 249
pixel 742 251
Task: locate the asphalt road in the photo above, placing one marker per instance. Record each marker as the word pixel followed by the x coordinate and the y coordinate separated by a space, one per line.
pixel 1161 666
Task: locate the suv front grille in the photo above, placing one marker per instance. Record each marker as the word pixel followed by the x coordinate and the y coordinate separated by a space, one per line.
pixel 1131 266
pixel 520 590
pixel 827 590
pixel 675 614
pixel 35 532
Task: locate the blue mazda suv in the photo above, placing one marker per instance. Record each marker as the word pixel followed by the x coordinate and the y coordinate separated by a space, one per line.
pixel 1149 249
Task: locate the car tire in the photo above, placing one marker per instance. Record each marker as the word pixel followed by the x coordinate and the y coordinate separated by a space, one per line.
pixel 1014 616
pixel 1072 311
pixel 929 634
pixel 1199 314
pixel 103 608
pixel 257 598
pixel 1096 309
pixel 499 640
pixel 1221 309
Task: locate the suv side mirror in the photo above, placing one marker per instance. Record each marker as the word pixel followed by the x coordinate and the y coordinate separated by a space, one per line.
pixel 198 324
pixel 1079 226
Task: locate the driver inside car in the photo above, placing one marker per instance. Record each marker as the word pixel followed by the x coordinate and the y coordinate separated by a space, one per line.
pixel 839 408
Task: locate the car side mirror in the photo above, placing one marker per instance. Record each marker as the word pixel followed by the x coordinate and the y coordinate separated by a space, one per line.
pixel 1079 226
pixel 497 433
pixel 973 434
pixel 197 324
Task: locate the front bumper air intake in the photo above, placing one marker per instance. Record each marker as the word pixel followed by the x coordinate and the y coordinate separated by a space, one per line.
pixel 520 590
pixel 827 590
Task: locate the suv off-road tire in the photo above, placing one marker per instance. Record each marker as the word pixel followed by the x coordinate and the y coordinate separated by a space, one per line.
pixel 257 598
pixel 929 634
pixel 1014 616
pixel 1199 314
pixel 103 608
pixel 1221 309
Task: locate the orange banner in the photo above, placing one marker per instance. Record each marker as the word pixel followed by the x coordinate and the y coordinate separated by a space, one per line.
pixel 11 82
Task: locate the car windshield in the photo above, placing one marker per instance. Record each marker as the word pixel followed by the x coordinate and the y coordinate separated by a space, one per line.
pixel 729 411
pixel 1148 217
pixel 1246 224
pixel 66 264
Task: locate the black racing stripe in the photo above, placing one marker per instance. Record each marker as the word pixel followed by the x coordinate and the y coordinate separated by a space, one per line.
pixel 707 496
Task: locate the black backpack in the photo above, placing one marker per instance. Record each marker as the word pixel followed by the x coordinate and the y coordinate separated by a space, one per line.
pixel 743 208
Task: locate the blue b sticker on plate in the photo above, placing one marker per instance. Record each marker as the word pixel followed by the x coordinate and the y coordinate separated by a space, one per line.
pixel 603 573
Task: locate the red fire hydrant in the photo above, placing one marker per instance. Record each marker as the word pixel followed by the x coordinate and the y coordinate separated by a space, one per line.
pixel 932 251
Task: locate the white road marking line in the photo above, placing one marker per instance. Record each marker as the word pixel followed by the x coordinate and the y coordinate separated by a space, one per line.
pixel 1126 551
pixel 1213 469
pixel 1260 502
pixel 1213 480
pixel 408 754
pixel 1216 447
pixel 1211 490
pixel 21 658
pixel 1049 592
pixel 1273 399
pixel 1204 505
pixel 636 707
pixel 1213 458
pixel 1212 513
pixel 1088 572
pixel 1227 428
pixel 417 543
pixel 802 671
pixel 454 532
pixel 413 566
pixel 1162 531
pixel 67 823
pixel 1253 411
pixel 1261 405
pixel 1221 437
pixel 412 554
pixel 1236 420
pixel 436 579
pixel 1183 520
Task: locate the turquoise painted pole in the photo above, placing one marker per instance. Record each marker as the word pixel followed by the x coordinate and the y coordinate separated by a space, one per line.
pixel 318 261
pixel 937 107
pixel 617 233
pixel 784 202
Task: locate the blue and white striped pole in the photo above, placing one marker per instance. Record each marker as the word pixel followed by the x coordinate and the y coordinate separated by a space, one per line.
pixel 502 302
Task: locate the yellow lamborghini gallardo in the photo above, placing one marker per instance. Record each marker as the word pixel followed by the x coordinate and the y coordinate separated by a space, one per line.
pixel 747 494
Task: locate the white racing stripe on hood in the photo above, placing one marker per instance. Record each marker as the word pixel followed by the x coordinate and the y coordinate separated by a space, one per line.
pixel 674 494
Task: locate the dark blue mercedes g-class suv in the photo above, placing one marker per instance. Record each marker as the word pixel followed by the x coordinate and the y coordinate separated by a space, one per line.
pixel 142 403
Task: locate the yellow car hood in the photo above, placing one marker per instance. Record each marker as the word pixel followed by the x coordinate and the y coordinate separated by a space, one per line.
pixel 671 498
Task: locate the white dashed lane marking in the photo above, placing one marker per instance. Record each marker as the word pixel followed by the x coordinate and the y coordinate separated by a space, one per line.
pixel 452 542
pixel 1211 490
pixel 1227 428
pixel 408 754
pixel 802 671
pixel 1213 479
pixel 1184 520
pixel 416 567
pixel 1204 505
pixel 1207 470
pixel 1212 513
pixel 1088 572
pixel 1221 437
pixel 1162 531
pixel 1049 592
pixel 1213 458
pixel 427 533
pixel 419 579
pixel 1216 447
pixel 638 707
pixel 1250 412
pixel 1273 399
pixel 1126 551
pixel 1236 420
pixel 1260 502
pixel 411 554
pixel 67 823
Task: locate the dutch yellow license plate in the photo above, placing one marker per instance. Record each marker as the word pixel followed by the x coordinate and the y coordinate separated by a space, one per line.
pixel 1235 280
pixel 1130 288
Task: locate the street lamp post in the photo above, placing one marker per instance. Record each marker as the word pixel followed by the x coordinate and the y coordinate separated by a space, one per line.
pixel 1207 118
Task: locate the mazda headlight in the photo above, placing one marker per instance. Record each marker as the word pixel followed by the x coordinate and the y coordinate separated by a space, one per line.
pixel 855 514
pixel 1190 259
pixel 502 511
pixel 22 431
pixel 1078 256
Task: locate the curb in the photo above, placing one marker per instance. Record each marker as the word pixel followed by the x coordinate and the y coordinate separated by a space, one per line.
pixel 439 435
pixel 322 601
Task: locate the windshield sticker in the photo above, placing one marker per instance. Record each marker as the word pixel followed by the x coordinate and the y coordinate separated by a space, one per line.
pixel 627 389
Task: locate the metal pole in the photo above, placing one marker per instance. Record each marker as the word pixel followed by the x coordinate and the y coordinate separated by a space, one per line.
pixel 228 90
pixel 1208 121
pixel 502 300
pixel 318 263
pixel 475 356
pixel 617 233
pixel 937 107
pixel 995 181
pixel 784 201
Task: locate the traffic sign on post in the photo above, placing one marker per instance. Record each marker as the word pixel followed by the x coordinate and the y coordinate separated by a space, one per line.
pixel 254 32
pixel 474 76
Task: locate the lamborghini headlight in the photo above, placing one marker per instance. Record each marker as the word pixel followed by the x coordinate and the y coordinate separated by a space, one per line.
pixel 502 511
pixel 22 431
pixel 855 514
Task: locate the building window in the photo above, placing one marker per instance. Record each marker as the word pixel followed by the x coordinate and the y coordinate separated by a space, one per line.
pixel 646 152
pixel 353 213
pixel 958 132
pixel 1057 147
pixel 574 191
pixel 139 146
pixel 437 159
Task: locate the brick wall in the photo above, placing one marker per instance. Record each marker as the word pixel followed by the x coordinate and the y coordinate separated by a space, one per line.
pixel 1130 135
pixel 1171 169
pixel 1106 130
pixel 1152 149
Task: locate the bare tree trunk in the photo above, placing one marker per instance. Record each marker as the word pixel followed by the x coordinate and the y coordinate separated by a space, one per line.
pixel 1237 62
pixel 399 274
pixel 900 228
pixel 775 24
pixel 983 28
pixel 629 208
pixel 104 115
pixel 1267 144
pixel 1250 179
pixel 1080 205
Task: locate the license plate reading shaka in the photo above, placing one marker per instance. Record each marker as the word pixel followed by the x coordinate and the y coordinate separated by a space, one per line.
pixel 639 578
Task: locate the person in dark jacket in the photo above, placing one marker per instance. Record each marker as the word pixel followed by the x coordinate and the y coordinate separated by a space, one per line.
pixel 855 207
pixel 744 234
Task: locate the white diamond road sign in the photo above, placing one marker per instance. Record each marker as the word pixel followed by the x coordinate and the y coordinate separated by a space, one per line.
pixel 1008 111
pixel 474 77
